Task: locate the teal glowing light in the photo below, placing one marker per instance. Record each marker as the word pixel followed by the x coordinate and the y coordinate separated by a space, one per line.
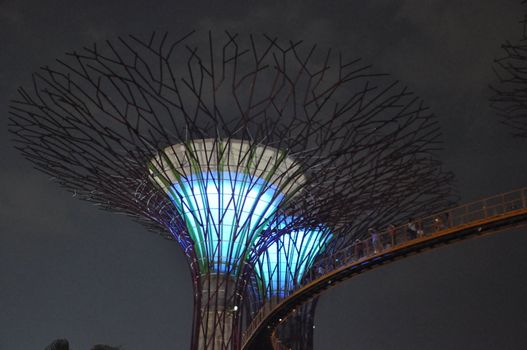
pixel 283 265
pixel 224 213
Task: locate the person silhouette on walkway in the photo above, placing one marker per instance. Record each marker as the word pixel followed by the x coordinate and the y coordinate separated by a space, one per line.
pixel 392 235
pixel 358 249
pixel 412 229
pixel 375 240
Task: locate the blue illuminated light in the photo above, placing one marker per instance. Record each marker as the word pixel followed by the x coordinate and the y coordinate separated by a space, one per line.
pixel 285 261
pixel 224 212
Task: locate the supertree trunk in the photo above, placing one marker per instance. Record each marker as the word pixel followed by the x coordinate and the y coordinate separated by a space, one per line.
pixel 216 323
pixel 297 332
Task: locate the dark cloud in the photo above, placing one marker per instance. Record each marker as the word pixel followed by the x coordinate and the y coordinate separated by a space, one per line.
pixel 69 270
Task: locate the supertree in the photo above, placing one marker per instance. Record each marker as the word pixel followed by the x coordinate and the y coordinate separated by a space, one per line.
pixel 280 267
pixel 235 147
pixel 510 94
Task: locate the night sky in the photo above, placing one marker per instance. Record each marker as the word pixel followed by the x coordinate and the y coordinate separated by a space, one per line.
pixel 70 270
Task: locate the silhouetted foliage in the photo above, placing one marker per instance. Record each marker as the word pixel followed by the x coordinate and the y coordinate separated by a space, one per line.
pixel 59 344
pixel 63 344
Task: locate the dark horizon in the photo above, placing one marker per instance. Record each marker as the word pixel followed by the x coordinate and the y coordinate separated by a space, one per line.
pixel 71 271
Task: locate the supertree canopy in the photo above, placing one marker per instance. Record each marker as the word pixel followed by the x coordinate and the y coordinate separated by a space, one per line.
pixel 255 154
pixel 510 94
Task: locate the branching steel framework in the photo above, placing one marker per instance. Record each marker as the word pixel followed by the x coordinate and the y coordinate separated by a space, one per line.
pixel 510 95
pixel 229 144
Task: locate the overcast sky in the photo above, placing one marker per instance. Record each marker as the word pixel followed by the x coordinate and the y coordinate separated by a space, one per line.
pixel 69 270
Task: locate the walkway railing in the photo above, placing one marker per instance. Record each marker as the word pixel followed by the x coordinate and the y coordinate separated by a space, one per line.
pixel 393 238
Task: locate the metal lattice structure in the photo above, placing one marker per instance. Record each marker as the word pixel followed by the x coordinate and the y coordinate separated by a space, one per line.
pixel 510 94
pixel 227 144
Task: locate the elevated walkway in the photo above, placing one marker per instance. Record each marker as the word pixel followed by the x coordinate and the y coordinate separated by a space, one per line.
pixel 489 215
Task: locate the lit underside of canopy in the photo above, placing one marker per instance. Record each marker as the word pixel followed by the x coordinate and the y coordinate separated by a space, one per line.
pixel 283 264
pixel 224 213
